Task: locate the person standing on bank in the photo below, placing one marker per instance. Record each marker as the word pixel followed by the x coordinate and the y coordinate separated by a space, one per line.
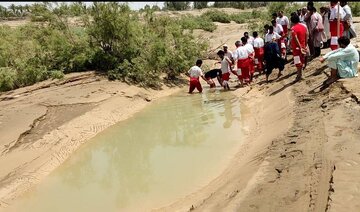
pixel 225 69
pixel 299 37
pixel 316 31
pixel 349 28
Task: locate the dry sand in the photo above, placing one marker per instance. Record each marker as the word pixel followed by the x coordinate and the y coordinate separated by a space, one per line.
pixel 302 151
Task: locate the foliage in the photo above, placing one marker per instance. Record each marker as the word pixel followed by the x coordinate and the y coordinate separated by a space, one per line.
pixel 32 53
pixel 18 11
pixel 217 16
pixel 239 5
pixel 200 4
pixel 113 40
pixel 355 8
pixel 140 52
pixel 147 8
pixel 196 22
pixel 176 5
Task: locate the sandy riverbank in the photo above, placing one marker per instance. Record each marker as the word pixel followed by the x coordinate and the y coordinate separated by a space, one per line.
pixel 302 152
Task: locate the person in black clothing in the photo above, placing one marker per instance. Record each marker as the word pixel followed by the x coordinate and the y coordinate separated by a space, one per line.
pixel 214 73
pixel 273 59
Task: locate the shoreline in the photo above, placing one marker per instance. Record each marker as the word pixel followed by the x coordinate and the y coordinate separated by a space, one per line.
pixel 241 173
pixel 33 160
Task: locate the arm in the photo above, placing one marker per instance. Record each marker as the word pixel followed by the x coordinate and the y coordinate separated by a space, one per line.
pixel 347 13
pixel 297 40
pixel 340 54
pixel 277 36
pixel 229 62
pixel 188 72
pixel 287 22
pixel 202 76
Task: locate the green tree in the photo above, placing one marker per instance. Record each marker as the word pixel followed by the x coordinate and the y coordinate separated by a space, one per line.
pixel 176 5
pixel 200 4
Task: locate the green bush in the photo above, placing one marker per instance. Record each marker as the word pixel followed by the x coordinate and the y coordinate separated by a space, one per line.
pixel 191 22
pixel 355 8
pixel 239 5
pixel 179 5
pixel 200 4
pixel 139 52
pixel 7 79
pixel 240 18
pixel 57 74
pixel 114 40
pixel 217 16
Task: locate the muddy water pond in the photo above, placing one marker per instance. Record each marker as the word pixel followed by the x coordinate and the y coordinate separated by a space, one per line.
pixel 170 149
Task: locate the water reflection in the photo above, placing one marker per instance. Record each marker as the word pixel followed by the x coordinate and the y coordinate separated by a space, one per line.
pixel 162 153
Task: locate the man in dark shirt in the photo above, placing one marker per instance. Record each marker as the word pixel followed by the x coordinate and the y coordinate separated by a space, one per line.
pixel 273 59
pixel 214 73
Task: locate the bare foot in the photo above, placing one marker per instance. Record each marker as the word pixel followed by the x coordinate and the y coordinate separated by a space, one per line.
pixel 330 80
pixel 298 78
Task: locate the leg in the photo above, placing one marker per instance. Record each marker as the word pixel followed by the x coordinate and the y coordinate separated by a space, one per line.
pixel 317 51
pixel 212 83
pixel 192 87
pixel 268 72
pixel 219 79
pixel 198 87
pixel 299 73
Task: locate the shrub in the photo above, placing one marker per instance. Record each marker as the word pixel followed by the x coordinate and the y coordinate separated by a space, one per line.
pixel 139 52
pixel 240 5
pixel 179 5
pixel 355 8
pixel 113 40
pixel 217 16
pixel 200 4
pixel 7 79
pixel 191 22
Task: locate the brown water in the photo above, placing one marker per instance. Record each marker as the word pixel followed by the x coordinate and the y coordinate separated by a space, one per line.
pixel 172 148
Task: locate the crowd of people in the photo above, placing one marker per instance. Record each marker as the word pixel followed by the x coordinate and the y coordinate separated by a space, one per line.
pixel 304 36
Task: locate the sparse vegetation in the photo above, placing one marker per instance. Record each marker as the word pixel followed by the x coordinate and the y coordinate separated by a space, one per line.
pixel 136 47
pixel 114 41
pixel 239 5
pixel 200 4
pixel 176 5
pixel 355 8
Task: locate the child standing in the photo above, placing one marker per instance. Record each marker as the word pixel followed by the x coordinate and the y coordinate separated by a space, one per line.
pixel 194 73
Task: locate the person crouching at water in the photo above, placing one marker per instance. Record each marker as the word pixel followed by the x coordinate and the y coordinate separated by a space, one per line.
pixel 343 62
pixel 225 69
pixel 210 75
pixel 194 73
pixel 273 59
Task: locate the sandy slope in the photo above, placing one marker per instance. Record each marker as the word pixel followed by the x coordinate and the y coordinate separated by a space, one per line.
pixel 302 151
pixel 302 154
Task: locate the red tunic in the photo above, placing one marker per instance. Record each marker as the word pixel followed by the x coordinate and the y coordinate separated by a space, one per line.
pixel 298 30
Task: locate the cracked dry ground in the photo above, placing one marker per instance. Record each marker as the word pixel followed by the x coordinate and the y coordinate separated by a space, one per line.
pixel 315 166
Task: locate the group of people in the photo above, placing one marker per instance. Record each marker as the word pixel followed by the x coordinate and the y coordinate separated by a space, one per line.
pixel 304 35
